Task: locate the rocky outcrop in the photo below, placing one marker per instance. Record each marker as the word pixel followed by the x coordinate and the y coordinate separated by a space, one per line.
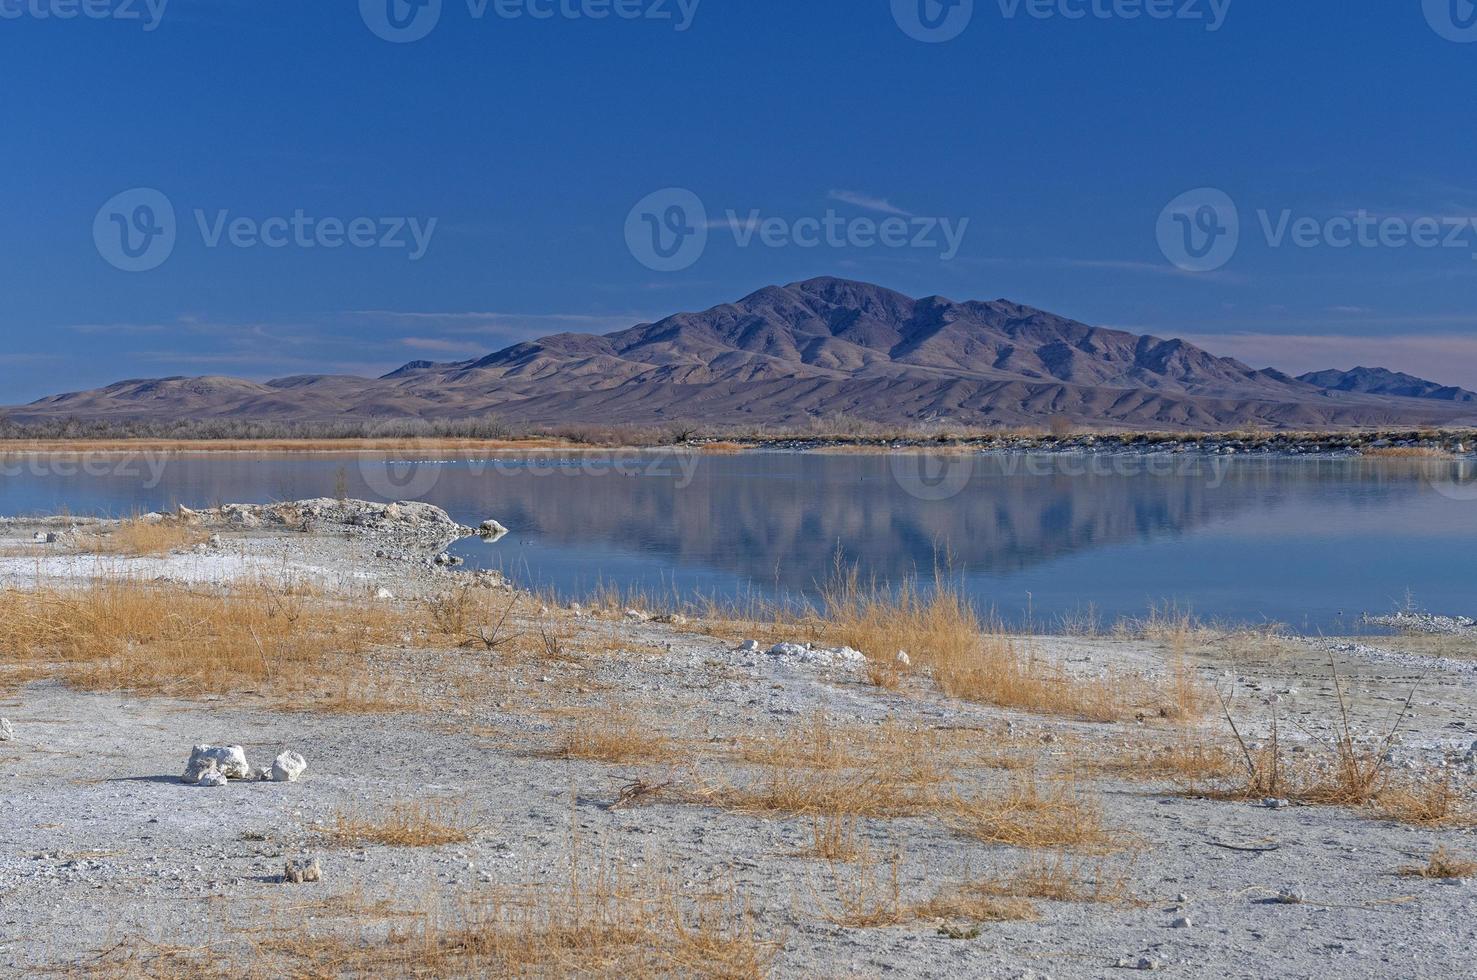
pixel 405 519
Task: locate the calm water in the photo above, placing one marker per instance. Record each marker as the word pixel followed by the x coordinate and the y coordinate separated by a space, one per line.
pixel 1307 542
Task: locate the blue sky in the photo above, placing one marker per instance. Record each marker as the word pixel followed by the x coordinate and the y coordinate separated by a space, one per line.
pixel 1054 142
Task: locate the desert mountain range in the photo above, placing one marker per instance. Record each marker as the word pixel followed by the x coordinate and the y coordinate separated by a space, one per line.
pixel 787 355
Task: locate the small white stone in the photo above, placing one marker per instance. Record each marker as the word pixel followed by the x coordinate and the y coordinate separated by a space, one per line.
pixel 384 594
pixel 749 646
pixel 212 777
pixel 1183 922
pixel 287 767
pixel 6 731
pixel 903 659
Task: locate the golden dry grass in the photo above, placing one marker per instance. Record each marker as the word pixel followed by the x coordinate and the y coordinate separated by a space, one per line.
pixel 1026 816
pixel 1426 800
pixel 404 824
pixel 1442 865
pixel 1407 452
pixel 1342 770
pixel 806 792
pixel 834 837
pixel 605 922
pixel 138 537
pixel 615 735
pixel 1061 877
pixel 867 894
pixel 1183 762
pixel 297 648
pixel 832 771
pixel 944 636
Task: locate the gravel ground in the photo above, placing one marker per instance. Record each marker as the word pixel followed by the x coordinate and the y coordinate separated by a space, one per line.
pixel 101 844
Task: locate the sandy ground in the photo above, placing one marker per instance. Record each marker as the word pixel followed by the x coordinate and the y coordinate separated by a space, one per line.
pixel 102 846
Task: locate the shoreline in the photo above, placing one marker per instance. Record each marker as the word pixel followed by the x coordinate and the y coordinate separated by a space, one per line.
pixel 1391 443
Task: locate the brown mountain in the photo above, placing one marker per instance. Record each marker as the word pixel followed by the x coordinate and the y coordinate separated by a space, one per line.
pixel 788 354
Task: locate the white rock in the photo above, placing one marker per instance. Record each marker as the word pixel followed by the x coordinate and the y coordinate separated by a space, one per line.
pixel 39 537
pixel 492 529
pixel 287 767
pixel 903 659
pixel 637 615
pixel 212 777
pixel 384 594
pixel 840 656
pixel 1183 922
pixel 6 731
pixel 749 646
pixel 229 760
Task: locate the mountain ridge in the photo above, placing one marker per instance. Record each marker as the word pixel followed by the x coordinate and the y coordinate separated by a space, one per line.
pixel 791 354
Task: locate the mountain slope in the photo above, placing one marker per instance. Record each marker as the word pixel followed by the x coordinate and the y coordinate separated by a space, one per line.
pixel 790 354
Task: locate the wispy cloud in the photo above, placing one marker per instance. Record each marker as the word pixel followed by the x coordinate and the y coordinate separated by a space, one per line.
pixel 444 346
pixel 515 326
pixel 868 202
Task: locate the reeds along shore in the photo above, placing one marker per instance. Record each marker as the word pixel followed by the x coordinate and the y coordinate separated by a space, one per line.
pixel 76 435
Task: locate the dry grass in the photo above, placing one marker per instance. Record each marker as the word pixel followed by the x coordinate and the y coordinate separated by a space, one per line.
pixel 722 448
pixel 832 771
pixel 914 754
pixel 289 644
pixel 405 824
pixel 1431 800
pixel 972 905
pixel 834 837
pixel 604 922
pixel 1025 816
pixel 1061 877
pixel 1342 771
pixel 612 735
pixel 867 894
pixel 138 537
pixel 1442 865
pixel 1407 452
pixel 804 792
pixel 944 636
pixel 1182 762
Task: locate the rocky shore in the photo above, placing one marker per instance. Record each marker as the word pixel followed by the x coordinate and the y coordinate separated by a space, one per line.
pixel 535 746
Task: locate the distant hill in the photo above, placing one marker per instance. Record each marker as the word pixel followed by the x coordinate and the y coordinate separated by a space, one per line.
pixel 1378 381
pixel 787 355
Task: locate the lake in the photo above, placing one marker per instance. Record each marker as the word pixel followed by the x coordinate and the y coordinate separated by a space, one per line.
pixel 1309 542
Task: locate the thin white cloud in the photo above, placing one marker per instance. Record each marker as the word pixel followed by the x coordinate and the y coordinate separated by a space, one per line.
pixel 444 346
pixel 869 202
